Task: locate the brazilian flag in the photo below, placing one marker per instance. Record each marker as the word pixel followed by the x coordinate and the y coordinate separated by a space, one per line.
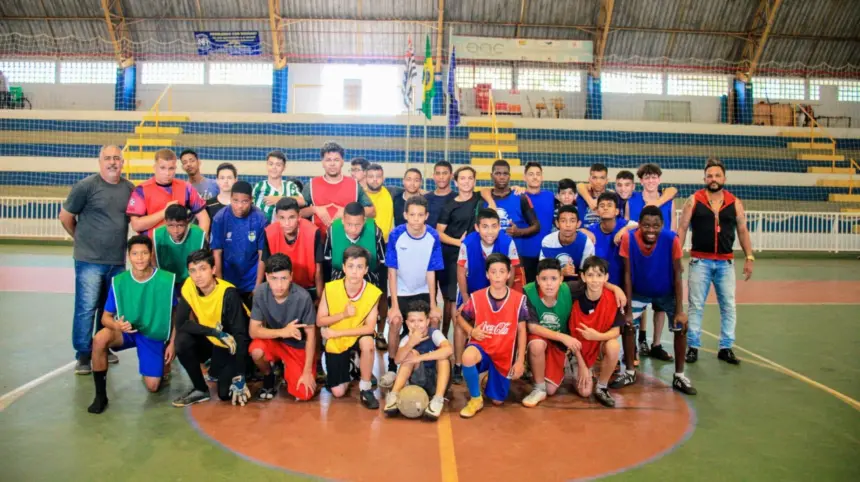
pixel 429 87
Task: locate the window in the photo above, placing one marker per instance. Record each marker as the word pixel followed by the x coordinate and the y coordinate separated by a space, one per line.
pixel 87 72
pixel 697 85
pixel 29 72
pixel 631 82
pixel 468 76
pixel 361 89
pixel 771 88
pixel 171 72
pixel 240 73
pixel 849 90
pixel 552 80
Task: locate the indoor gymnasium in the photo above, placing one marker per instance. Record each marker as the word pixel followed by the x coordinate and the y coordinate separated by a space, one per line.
pixel 429 240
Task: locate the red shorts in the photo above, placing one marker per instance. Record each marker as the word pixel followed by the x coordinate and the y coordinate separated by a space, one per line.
pixel 294 364
pixel 555 360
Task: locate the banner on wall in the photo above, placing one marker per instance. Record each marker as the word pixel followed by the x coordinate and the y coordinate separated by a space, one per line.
pixel 229 43
pixel 531 50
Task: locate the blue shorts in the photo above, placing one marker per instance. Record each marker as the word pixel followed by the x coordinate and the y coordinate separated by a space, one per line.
pixel 150 353
pixel 665 304
pixel 498 385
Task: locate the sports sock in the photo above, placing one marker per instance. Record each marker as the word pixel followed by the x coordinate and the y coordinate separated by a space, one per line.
pixel 602 386
pixel 100 378
pixel 642 335
pixel 437 398
pixel 392 367
pixel 99 405
pixel 269 381
pixel 470 374
pixel 630 372
pixel 458 368
pixel 681 374
pixel 540 386
pixel 364 385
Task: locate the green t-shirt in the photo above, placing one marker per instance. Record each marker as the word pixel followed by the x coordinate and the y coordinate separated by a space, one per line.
pixel 555 318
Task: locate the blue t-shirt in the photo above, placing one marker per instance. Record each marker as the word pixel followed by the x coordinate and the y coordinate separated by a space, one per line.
pixel 586 215
pixel 637 202
pixel 574 253
pixel 413 258
pixel 605 247
pixel 240 240
pixel 544 204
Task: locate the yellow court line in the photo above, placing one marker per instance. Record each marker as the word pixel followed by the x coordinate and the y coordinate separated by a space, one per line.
pixel 793 374
pixel 446 449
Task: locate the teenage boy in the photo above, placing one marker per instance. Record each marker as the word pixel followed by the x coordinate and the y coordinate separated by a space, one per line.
pixel 237 241
pixel 651 195
pixel 549 338
pixel 543 203
pixel 568 245
pixel 414 254
pixel 456 220
pixel 586 202
pixel 382 198
pixel 137 314
pixel 211 324
pixel 283 327
pixel 565 195
pixel 174 241
pixel 495 318
pixel 191 164
pixel 412 180
pixel 606 232
pixel 347 316
pixel 225 175
pixel 149 200
pixel 652 273
pixel 299 239
pixel 595 320
pixel 275 187
pixel 516 215
pixel 423 357
pixel 436 199
pixel 358 171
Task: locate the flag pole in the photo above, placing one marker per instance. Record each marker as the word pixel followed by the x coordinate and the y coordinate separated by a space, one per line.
pixel 408 126
pixel 448 100
pixel 424 175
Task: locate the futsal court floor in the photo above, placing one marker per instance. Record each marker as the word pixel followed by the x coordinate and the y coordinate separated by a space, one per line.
pixel 788 412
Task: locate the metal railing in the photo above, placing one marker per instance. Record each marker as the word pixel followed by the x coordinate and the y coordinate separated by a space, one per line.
pixel 31 218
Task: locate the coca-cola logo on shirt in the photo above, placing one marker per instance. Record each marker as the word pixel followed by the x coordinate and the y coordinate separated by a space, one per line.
pixel 495 329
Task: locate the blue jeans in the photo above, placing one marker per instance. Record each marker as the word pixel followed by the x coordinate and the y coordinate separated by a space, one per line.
pixel 702 273
pixel 92 282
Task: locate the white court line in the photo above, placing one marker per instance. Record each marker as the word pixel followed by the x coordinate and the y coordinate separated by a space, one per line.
pixel 11 397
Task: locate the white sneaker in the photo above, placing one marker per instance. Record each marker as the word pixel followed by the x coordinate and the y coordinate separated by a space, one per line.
pixel 387 380
pixel 534 398
pixel 391 400
pixel 434 409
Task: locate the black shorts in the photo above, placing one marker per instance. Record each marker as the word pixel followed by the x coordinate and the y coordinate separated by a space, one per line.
pixel 338 365
pixel 448 281
pixel 424 376
pixel 529 265
pixel 404 301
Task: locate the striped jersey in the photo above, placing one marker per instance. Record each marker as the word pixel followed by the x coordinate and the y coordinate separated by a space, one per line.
pixel 263 189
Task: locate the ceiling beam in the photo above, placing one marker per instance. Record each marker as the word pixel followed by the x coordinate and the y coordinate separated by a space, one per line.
pixel 279 44
pixel 440 24
pixel 604 19
pixel 757 37
pixel 522 19
pixel 120 37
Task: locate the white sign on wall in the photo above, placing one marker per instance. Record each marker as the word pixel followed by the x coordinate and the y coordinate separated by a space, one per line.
pixel 532 50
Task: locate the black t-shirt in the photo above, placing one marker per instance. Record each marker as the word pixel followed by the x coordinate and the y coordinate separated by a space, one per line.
pixel 458 218
pixel 213 205
pixel 435 203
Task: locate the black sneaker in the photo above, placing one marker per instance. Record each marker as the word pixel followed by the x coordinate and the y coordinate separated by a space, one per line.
pixel 368 399
pixel 728 356
pixel 602 395
pixel 457 377
pixel 623 379
pixel 692 355
pixel 659 353
pixel 190 398
pixel 683 385
pixel 643 348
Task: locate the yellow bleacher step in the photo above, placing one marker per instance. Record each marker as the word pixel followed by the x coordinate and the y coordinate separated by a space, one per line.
pixel 844 198
pixel 139 155
pixel 488 161
pixel 823 146
pixel 850 210
pixel 838 183
pixel 139 169
pixel 486 176
pixel 487 123
pixel 829 170
pixel 159 131
pixel 489 136
pixel 166 118
pixel 820 157
pixel 801 133
pixel 493 148
pixel 149 142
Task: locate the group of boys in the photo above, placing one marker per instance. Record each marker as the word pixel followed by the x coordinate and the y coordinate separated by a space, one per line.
pixel 290 275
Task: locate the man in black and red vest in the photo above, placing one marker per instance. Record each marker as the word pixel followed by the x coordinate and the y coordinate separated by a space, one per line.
pixel 149 200
pixel 325 197
pixel 714 215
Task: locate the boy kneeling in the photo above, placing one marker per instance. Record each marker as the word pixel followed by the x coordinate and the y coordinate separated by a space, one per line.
pixel 423 357
pixel 497 337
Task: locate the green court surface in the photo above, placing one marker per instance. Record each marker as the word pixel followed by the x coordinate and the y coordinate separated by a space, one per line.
pixel 753 422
